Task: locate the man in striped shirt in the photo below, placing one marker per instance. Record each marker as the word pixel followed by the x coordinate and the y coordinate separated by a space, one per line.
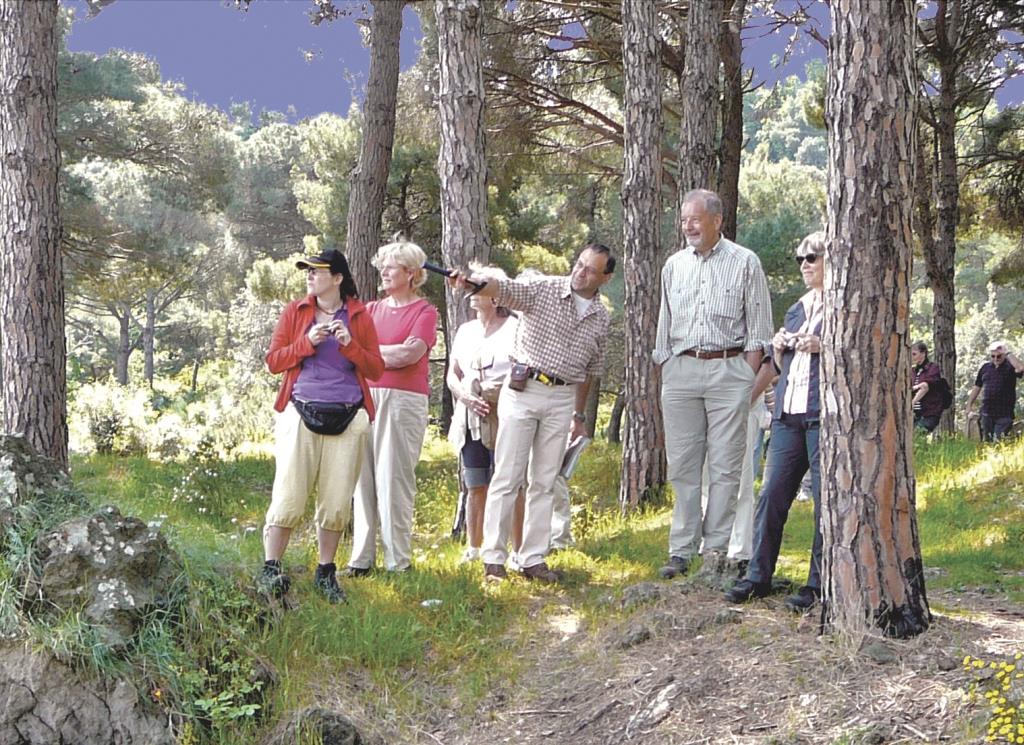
pixel 713 328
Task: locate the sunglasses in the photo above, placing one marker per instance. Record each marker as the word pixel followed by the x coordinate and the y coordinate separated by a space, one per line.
pixel 809 258
pixel 996 356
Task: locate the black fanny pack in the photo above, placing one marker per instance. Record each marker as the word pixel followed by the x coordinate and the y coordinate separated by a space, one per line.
pixel 326 419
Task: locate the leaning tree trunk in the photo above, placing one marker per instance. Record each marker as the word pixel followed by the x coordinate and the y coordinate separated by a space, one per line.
pixel 32 351
pixel 872 561
pixel 370 178
pixel 698 92
pixel 732 114
pixel 461 162
pixel 643 452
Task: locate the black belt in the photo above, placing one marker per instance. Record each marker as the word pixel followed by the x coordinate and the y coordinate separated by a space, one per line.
pixel 706 354
pixel 543 377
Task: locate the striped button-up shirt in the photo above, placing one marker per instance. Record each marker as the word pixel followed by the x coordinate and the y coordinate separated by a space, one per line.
pixel 713 303
pixel 552 337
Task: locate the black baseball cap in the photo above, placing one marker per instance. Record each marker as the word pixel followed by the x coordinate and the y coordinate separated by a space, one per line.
pixel 332 259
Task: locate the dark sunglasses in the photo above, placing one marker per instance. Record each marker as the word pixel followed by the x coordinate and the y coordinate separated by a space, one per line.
pixel 809 258
pixel 997 356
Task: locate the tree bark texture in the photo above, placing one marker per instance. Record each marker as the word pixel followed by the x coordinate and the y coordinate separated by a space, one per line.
pixel 732 114
pixel 699 92
pixel 872 568
pixel 461 161
pixel 32 349
pixel 643 450
pixel 370 178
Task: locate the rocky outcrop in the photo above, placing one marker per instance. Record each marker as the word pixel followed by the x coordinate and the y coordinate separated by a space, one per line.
pixel 113 568
pixel 46 703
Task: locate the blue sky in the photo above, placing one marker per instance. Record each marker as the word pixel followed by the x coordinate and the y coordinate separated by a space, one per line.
pixel 275 58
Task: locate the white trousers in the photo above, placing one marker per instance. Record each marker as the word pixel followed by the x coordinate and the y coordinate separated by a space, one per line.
pixel 561 515
pixel 532 429
pixel 386 490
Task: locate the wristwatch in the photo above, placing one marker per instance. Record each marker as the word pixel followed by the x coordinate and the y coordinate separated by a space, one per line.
pixel 579 417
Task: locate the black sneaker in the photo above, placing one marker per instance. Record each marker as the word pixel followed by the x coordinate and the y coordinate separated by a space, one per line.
pixel 326 582
pixel 272 580
pixel 803 599
pixel 351 571
pixel 676 565
pixel 745 589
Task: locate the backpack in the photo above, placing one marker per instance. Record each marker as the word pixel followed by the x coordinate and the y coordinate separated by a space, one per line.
pixel 947 395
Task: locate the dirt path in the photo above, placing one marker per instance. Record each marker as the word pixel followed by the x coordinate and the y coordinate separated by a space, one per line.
pixel 686 668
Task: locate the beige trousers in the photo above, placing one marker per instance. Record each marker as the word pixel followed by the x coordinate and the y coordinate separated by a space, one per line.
pixel 532 428
pixel 705 405
pixel 304 460
pixel 386 490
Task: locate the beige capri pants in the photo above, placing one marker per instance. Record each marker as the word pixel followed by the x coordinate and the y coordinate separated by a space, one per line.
pixel 305 460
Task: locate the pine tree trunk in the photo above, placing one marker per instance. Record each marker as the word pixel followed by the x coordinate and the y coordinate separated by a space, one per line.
pixel 615 422
pixel 942 260
pixel 124 347
pixel 643 451
pixel 732 114
pixel 370 178
pixel 699 91
pixel 32 348
pixel 461 162
pixel 149 338
pixel 872 567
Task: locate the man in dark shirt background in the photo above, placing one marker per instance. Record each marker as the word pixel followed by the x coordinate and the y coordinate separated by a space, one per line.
pixel 927 387
pixel 998 378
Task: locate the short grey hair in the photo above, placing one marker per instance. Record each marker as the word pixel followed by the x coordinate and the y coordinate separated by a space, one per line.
pixel 712 202
pixel 815 243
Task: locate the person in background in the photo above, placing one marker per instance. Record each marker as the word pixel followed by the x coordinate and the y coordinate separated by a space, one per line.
pixel 326 347
pixel 479 362
pixel 998 378
pixel 927 399
pixel 386 491
pixel 793 448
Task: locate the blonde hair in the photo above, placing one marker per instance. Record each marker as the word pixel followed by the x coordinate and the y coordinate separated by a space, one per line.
pixel 407 255
pixel 814 243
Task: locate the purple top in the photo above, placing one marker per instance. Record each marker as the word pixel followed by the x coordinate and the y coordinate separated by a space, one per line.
pixel 328 376
pixel 931 403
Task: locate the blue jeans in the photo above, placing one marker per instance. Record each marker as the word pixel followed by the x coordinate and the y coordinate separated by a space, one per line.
pixel 792 450
pixel 927 423
pixel 995 427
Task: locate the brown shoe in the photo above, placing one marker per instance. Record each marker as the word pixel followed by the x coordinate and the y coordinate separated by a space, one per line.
pixel 494 573
pixel 541 573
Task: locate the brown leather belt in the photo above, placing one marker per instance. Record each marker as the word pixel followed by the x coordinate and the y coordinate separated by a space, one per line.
pixel 706 354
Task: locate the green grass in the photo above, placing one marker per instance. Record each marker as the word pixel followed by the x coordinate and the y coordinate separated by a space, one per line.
pixel 971 517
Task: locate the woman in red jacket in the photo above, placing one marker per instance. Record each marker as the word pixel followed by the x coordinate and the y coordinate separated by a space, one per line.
pixel 326 346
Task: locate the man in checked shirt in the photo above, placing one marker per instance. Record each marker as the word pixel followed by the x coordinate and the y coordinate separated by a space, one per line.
pixel 714 325
pixel 561 336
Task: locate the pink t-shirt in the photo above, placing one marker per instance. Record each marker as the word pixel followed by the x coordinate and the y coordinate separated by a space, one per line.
pixel 394 326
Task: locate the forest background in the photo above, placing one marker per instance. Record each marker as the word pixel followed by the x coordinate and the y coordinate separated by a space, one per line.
pixel 181 224
pixel 182 220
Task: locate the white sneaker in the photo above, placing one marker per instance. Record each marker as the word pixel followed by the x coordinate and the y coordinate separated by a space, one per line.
pixel 470 555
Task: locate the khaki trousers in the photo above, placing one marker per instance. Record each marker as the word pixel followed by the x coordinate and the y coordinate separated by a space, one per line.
pixel 386 490
pixel 705 405
pixel 741 541
pixel 532 429
pixel 304 460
